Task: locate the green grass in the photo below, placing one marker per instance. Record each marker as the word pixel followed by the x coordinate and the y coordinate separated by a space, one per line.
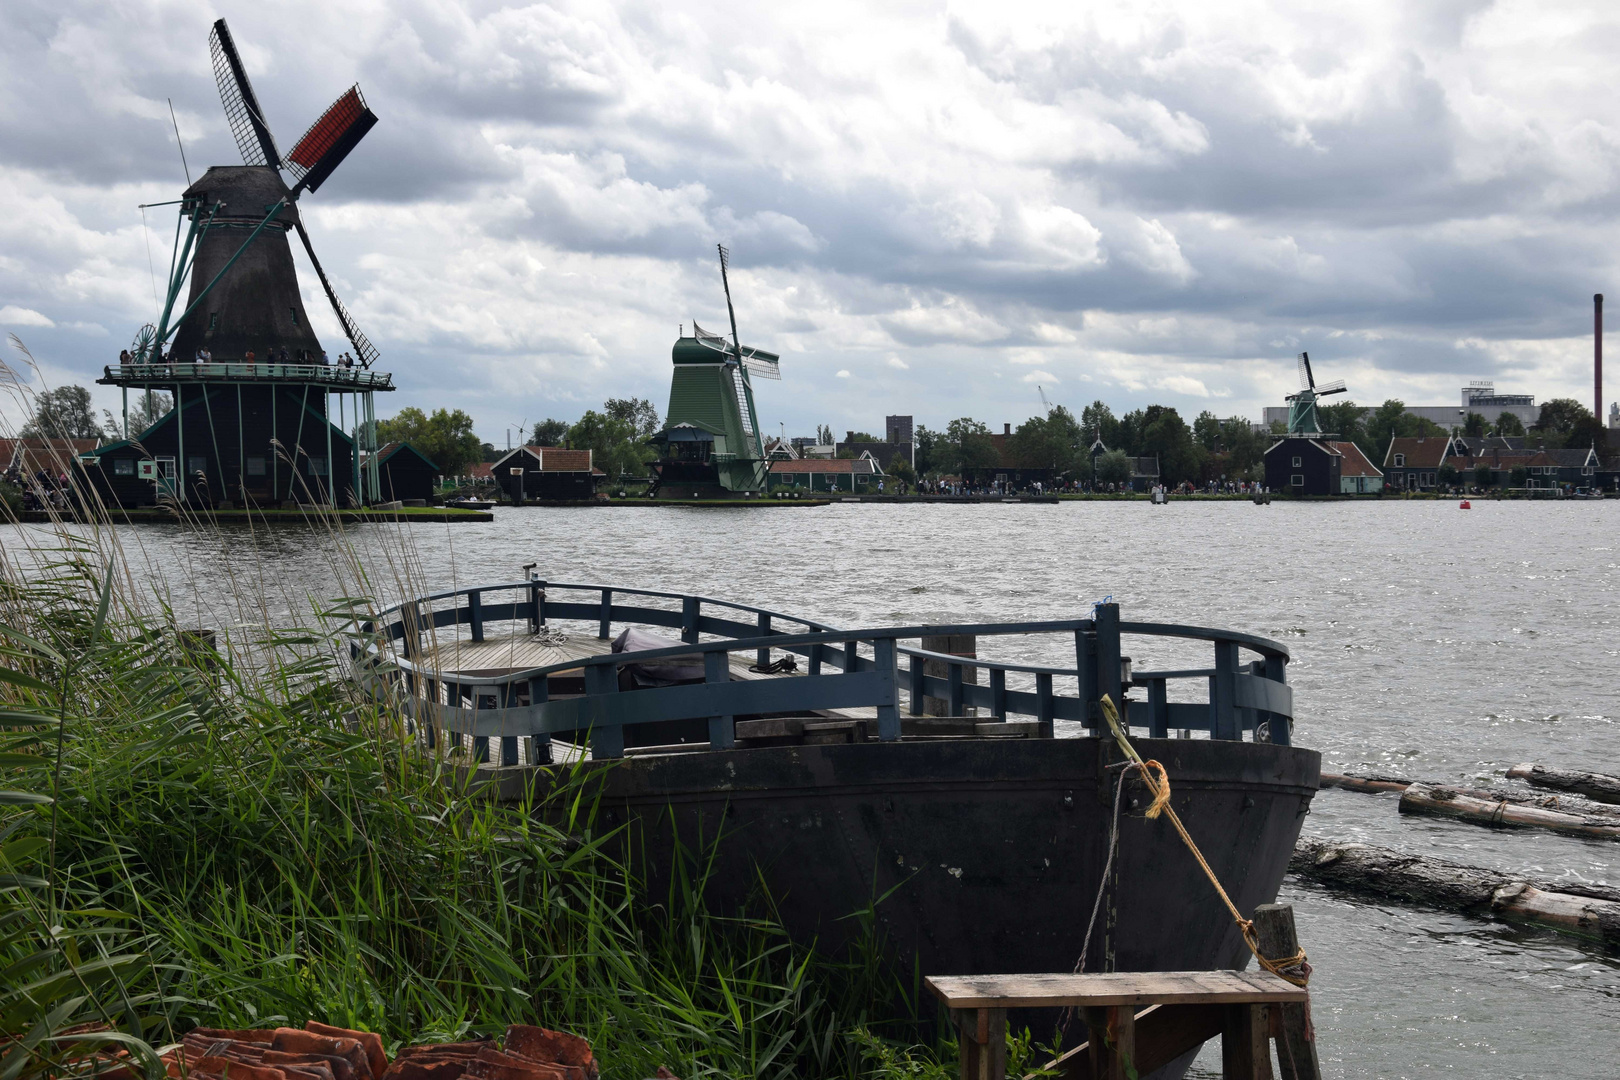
pixel 237 838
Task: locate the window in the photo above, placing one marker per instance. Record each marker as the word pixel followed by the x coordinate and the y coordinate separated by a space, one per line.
pixel 124 467
pixel 196 463
pixel 1298 461
pixel 213 320
pixel 1297 480
pixel 317 466
pixel 255 466
pixel 1400 461
pixel 294 313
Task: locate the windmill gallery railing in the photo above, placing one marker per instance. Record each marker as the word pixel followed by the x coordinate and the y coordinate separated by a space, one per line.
pixel 335 376
pixel 845 669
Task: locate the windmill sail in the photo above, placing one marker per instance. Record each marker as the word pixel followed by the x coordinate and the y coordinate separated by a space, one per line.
pixel 242 110
pixel 329 139
pixel 364 351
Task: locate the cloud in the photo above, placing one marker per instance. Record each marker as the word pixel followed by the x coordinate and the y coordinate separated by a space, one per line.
pixel 1163 202
pixel 12 315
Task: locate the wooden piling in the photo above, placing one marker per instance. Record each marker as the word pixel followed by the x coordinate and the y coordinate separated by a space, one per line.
pixel 1595 786
pixel 1296 1045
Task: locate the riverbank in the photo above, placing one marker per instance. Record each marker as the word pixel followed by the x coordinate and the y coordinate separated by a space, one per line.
pixel 162 516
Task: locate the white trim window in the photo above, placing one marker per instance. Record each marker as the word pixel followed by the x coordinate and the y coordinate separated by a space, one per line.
pixel 1297 480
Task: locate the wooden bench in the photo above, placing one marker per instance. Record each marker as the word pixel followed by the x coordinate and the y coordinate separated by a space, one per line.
pixel 1183 1009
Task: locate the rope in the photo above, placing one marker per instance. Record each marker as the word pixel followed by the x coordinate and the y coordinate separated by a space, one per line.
pixel 1294 969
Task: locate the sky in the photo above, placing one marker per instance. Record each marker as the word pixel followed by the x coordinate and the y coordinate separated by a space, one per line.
pixel 933 209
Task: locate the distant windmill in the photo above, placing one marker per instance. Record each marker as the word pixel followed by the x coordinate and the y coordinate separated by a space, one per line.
pixel 1302 406
pixel 711 442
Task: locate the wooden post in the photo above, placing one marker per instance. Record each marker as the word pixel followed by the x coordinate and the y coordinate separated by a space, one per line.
pixel 963 645
pixel 722 730
pixel 475 613
pixel 607 740
pixel 607 614
pixel 1085 666
pixel 1279 726
pixel 540 745
pixel 509 743
pixel 1158 709
pixel 1296 1055
pixel 1223 692
pixel 1108 662
pixel 1112 1041
pixel 916 707
pixel 888 705
pixel 998 694
pixel 1245 1050
pixel 763 659
pixel 983 1041
pixel 689 619
pixel 1045 706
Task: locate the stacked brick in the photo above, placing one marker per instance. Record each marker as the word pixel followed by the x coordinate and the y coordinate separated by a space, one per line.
pixel 321 1052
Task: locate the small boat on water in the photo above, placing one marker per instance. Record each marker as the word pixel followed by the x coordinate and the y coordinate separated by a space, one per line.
pixel 966 802
pixel 468 503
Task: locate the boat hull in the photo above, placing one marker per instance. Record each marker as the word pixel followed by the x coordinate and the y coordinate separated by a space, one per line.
pixel 987 855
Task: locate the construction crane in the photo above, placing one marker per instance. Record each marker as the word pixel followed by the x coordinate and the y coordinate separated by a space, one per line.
pixel 1045 404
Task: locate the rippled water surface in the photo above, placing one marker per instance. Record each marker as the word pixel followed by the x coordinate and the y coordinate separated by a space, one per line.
pixel 1427 641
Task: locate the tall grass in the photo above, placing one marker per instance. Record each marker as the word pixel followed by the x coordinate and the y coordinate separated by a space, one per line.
pixel 231 835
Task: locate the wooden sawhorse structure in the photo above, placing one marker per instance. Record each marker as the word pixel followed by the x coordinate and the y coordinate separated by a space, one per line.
pixel 1183 1009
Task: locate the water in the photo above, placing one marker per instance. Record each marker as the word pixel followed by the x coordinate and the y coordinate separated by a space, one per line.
pixel 1427 641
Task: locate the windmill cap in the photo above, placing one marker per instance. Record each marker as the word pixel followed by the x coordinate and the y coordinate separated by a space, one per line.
pixel 248 192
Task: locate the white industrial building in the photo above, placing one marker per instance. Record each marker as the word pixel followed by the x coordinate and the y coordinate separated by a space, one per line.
pixel 1479 396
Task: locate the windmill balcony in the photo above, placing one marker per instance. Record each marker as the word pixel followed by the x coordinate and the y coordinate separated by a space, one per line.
pixel 320 374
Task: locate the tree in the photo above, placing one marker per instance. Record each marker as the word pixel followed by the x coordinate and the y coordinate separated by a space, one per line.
pixel 1519 476
pixel 900 468
pixel 927 447
pixel 140 417
pixel 1391 420
pixel 616 445
pixel 1348 421
pixel 1243 446
pixel 1483 476
pixel 446 437
pixel 969 446
pixel 549 433
pixel 1208 431
pixel 638 412
pixel 1475 425
pixel 1097 421
pixel 1564 422
pixel 861 436
pixel 1166 434
pixel 1509 424
pixel 1114 467
pixel 63 413
pixel 824 435
pixel 1128 435
pixel 1047 442
pixel 1448 475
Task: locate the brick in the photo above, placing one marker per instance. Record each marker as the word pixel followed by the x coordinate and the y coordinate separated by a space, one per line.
pixel 541 1044
pixel 428 1067
pixel 296 1041
pixel 234 1070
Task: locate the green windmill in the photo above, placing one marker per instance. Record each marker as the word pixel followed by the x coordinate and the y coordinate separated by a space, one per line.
pixel 711 445
pixel 1302 406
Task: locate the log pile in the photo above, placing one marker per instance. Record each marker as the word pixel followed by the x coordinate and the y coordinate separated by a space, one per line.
pixel 1587 911
pixel 321 1052
pixel 1595 786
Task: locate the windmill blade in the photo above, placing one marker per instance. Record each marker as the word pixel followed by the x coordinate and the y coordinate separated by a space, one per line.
pixel 1335 387
pixel 242 110
pixel 329 139
pixel 761 364
pixel 364 350
pixel 1305 380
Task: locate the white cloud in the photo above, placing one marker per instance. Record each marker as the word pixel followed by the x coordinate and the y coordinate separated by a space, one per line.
pixel 1042 377
pixel 12 315
pixel 898 364
pixel 843 373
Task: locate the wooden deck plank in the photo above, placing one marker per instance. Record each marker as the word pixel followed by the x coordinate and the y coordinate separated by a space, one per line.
pixel 1112 988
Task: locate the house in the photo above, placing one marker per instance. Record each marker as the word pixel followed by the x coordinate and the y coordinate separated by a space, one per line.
pixel 405 473
pixel 1007 472
pixel 1144 470
pixel 1413 464
pixel 1305 465
pixel 546 472
pixel 1574 467
pixel 884 453
pixel 480 473
pixel 826 474
pixel 779 449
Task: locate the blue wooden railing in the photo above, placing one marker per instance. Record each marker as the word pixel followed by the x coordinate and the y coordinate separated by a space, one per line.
pixel 388 653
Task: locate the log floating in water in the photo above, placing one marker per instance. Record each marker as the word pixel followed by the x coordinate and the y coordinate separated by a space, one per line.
pixel 1378 785
pixel 1466 806
pixel 1593 912
pixel 1596 786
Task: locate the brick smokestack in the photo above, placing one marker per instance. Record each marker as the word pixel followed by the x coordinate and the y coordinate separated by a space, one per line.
pixel 1597 356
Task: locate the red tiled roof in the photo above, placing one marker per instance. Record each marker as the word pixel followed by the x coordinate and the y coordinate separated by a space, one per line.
pixel 1422 452
pixel 814 465
pixel 31 455
pixel 481 469
pixel 1354 462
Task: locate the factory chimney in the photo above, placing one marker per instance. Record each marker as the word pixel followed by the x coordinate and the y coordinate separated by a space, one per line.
pixel 1597 356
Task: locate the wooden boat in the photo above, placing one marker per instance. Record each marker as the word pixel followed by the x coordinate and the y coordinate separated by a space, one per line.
pixel 974 841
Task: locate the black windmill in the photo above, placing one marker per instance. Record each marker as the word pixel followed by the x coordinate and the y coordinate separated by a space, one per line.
pixel 252 422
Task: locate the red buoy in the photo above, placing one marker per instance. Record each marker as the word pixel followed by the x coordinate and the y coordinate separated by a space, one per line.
pixel 1465 505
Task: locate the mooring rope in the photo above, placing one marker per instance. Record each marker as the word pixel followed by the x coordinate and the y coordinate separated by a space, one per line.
pixel 1294 969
